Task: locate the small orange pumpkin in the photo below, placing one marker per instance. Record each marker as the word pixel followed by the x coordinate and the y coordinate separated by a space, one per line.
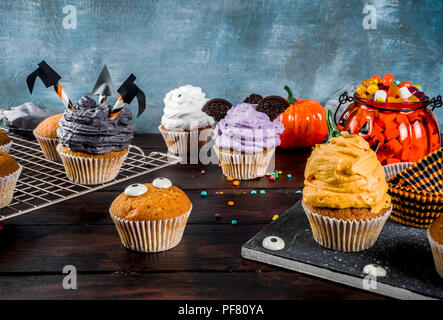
pixel 304 121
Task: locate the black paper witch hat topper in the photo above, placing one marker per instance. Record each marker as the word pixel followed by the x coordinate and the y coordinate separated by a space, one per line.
pixel 104 86
pixel 50 78
pixel 128 91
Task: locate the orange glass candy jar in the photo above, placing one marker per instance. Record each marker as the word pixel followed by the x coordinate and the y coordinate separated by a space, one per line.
pixel 397 132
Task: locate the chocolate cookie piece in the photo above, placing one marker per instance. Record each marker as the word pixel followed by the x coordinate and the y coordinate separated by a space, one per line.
pixel 273 106
pixel 217 108
pixel 253 98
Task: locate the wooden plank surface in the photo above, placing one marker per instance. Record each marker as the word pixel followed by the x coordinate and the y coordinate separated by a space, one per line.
pixel 207 264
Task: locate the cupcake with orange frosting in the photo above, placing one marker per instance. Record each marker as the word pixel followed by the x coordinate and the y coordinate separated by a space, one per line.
pixel 46 135
pixel 345 195
pixel 435 236
pixel 5 142
pixel 151 217
pixel 9 172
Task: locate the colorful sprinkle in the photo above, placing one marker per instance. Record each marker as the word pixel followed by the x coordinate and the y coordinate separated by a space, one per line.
pixel 298 191
pixel 219 165
pixel 262 191
pixel 268 173
pixel 275 217
pixel 272 178
pixel 253 191
pixel 230 178
pixel 231 203
pixel 203 193
pixel 289 176
pixel 221 192
pixel 203 172
pixel 217 216
pixel 236 183
pixel 280 172
pixel 234 222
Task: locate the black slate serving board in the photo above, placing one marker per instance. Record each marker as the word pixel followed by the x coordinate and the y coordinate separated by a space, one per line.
pixel 404 252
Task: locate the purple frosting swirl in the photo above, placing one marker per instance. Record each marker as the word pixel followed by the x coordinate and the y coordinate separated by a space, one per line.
pixel 247 130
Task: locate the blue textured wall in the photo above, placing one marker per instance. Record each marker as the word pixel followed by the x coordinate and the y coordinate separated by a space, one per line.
pixel 229 48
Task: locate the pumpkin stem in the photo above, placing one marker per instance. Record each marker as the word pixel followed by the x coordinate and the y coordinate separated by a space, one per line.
pixel 291 98
pixel 332 128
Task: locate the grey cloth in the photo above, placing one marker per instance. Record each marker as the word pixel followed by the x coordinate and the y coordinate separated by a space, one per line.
pixel 88 129
pixel 25 118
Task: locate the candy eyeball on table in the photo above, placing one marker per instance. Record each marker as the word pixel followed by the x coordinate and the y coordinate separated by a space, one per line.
pixel 162 183
pixel 135 190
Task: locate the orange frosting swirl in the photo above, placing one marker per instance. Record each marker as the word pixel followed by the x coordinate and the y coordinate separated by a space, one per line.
pixel 345 173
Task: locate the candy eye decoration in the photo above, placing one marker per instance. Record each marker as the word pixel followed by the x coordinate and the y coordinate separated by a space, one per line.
pixel 162 183
pixel 273 243
pixel 135 190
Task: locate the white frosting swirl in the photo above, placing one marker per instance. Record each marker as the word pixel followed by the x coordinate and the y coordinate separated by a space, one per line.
pixel 183 109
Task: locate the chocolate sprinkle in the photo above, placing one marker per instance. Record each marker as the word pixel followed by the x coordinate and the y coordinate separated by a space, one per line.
pixel 253 98
pixel 273 106
pixel 217 108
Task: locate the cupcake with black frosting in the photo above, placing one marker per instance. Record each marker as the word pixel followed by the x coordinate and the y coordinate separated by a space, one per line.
pixel 92 146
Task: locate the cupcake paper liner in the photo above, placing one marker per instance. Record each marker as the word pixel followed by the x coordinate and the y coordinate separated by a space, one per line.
pixel 7 187
pixel 6 147
pixel 411 207
pixel 152 235
pixel 49 148
pixel 178 142
pixel 345 235
pixel 91 170
pixel 423 175
pixel 244 166
pixel 437 253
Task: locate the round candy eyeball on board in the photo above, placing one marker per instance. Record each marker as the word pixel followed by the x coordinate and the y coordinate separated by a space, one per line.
pixel 135 190
pixel 162 183
pixel 273 243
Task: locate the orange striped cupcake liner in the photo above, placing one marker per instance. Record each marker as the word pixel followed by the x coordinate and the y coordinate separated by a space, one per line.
pixel 417 190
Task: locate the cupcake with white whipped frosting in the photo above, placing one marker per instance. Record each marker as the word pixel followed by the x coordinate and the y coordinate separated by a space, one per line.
pixel 183 121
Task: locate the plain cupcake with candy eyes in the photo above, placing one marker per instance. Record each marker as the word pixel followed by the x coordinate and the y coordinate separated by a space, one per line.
pixel 246 136
pixel 151 217
pixel 183 121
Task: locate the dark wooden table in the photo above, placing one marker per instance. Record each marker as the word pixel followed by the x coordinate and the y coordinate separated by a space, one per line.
pixel 207 264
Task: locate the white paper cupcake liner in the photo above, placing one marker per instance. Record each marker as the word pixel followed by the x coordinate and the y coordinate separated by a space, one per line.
pixel 49 147
pixel 153 235
pixel 244 166
pixel 90 171
pixel 7 187
pixel 178 141
pixel 6 147
pixel 437 253
pixel 345 235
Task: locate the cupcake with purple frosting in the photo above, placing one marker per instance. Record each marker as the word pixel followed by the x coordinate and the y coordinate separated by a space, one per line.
pixel 246 136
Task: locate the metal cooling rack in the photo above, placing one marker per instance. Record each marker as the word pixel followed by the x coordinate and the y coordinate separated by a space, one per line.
pixel 43 183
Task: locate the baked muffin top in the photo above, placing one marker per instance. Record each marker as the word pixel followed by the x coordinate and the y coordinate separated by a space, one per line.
pixel 48 127
pixel 156 203
pixel 436 230
pixel 109 155
pixel 4 139
pixel 7 164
